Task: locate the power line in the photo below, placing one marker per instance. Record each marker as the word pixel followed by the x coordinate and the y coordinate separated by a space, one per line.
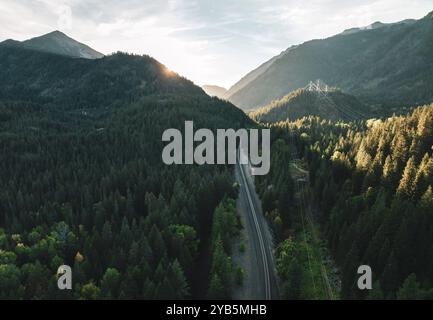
pixel 326 286
pixel 322 90
pixel 302 215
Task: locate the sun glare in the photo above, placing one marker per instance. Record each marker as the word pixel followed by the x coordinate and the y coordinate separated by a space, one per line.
pixel 168 72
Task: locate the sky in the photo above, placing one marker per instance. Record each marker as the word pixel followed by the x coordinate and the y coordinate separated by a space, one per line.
pixel 208 41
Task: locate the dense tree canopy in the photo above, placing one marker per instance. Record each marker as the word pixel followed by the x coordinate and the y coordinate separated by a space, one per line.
pixel 373 182
pixel 83 183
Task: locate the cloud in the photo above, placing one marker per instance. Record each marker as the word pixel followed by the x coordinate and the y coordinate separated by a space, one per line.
pixel 207 41
pixel 64 21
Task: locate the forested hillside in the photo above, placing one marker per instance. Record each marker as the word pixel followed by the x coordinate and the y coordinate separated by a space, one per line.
pixel 369 187
pixel 83 183
pixel 66 83
pixel 302 258
pixel 373 183
pixel 301 103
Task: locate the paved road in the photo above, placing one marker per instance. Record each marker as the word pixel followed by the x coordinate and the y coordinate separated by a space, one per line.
pixel 261 271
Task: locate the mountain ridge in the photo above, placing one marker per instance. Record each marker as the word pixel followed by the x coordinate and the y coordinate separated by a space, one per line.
pixel 252 75
pixel 30 75
pixel 389 65
pixel 56 42
pixel 214 91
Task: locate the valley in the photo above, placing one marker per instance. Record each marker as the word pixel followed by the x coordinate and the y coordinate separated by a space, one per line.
pixel 102 201
pixel 101 170
pixel 261 282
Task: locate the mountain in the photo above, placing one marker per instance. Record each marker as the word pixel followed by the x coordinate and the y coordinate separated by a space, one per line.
pixel 384 64
pixel 29 75
pixel 83 182
pixel 214 91
pixel 252 75
pixel 332 105
pixel 58 43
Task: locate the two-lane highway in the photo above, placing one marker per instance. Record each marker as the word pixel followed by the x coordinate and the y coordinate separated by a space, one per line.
pixel 262 266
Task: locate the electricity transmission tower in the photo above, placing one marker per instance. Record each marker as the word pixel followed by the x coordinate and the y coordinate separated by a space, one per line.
pixel 322 90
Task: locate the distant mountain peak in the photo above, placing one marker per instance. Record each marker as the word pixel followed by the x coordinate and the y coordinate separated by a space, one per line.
pixel 56 32
pixel 376 25
pixel 214 91
pixel 58 43
pixel 53 35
